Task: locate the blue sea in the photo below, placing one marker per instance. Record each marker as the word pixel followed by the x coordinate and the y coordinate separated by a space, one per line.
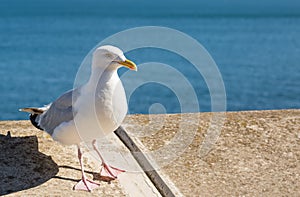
pixel 41 49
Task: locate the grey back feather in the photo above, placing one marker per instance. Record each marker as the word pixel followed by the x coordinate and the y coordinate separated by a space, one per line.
pixel 61 110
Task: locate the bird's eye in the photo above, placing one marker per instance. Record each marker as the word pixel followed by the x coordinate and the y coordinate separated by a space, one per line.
pixel 108 55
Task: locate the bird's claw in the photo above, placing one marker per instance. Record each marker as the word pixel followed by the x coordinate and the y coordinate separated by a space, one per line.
pixel 86 185
pixel 110 173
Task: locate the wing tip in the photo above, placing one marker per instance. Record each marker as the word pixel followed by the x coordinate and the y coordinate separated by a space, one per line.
pixel 31 110
pixel 24 110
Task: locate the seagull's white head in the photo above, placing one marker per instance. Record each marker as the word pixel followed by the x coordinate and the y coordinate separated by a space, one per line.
pixel 112 58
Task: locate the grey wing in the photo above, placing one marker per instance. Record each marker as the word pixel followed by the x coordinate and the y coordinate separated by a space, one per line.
pixel 61 110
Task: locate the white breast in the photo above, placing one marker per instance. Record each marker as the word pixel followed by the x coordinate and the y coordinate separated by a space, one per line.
pixel 101 109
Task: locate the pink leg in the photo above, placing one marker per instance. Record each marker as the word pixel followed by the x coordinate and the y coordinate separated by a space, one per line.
pixel 84 183
pixel 107 171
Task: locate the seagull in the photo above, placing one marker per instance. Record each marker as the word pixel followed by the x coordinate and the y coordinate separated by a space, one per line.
pixel 89 112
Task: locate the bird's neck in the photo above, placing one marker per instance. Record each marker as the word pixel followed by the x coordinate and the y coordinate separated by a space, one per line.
pixel 100 76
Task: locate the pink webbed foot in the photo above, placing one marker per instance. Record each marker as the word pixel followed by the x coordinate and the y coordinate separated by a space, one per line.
pixel 110 173
pixel 86 185
pixel 107 173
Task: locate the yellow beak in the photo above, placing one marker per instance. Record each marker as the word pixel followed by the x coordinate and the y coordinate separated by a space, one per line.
pixel 128 64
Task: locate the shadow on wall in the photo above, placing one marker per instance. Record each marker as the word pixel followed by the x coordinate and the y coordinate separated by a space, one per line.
pixel 22 166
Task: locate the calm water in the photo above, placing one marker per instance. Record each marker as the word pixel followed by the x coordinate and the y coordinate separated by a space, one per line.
pixel 258 58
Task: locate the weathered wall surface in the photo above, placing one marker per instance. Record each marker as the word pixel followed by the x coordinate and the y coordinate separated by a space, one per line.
pixel 257 153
